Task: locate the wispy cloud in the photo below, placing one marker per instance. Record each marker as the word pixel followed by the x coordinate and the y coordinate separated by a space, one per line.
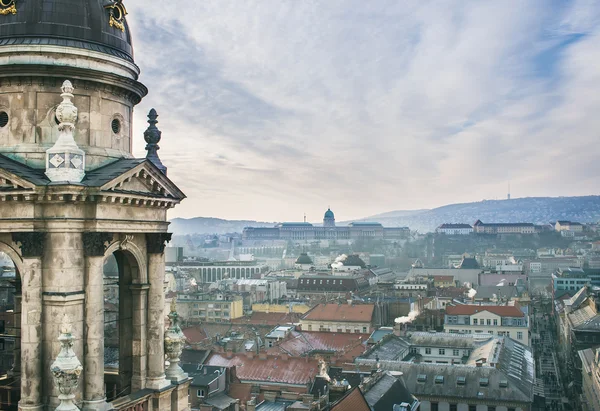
pixel 272 108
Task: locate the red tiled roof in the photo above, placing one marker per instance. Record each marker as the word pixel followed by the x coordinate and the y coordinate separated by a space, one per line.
pixel 341 312
pixel 501 310
pixel 194 335
pixel 353 401
pixel 258 318
pixel 344 345
pixel 273 369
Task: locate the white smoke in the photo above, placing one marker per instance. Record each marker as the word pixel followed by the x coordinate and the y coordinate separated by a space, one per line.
pixel 193 282
pixel 339 261
pixel 472 293
pixel 407 318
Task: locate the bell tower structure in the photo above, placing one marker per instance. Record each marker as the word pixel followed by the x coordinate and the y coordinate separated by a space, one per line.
pixel 72 196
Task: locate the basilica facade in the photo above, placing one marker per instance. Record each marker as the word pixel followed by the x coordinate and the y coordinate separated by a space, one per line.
pixel 72 194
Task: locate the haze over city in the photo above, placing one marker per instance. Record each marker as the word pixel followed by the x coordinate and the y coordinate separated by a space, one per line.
pixel 274 109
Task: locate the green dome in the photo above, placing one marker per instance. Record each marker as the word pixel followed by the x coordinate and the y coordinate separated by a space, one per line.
pixel 304 259
pixel 329 213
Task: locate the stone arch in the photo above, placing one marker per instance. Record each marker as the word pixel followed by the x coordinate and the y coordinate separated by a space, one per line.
pixel 243 272
pixel 136 252
pixel 14 255
pixel 132 278
pixel 237 273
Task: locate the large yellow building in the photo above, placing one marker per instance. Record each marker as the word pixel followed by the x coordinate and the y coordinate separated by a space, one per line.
pixel 341 318
pixel 217 308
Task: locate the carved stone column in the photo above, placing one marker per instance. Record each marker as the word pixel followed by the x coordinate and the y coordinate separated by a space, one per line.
pixel 16 368
pixel 155 246
pixel 32 249
pixel 94 247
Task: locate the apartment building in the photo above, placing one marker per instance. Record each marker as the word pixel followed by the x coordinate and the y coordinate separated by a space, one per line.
pixel 346 318
pixel 500 320
pixel 503 228
pixel 217 308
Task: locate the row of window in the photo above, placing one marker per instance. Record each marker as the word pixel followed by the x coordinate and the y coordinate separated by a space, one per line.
pixel 308 281
pixel 500 333
pixel 434 406
pixel 441 351
pixel 339 330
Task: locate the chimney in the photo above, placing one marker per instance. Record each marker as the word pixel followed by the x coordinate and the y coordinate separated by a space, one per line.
pixel 251 405
pixel 349 302
pixel 229 354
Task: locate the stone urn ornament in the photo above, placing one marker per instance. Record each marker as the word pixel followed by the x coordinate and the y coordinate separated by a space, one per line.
pixel 174 342
pixel 66 368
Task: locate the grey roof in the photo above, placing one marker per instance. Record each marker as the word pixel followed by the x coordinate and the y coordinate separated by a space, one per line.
pixel 445 340
pixel 278 405
pixel 377 335
pixel 202 374
pixel 220 401
pixel 489 291
pixel 470 390
pixel 392 349
pixel 73 23
pixel 34 176
pixel 387 392
pixel 104 174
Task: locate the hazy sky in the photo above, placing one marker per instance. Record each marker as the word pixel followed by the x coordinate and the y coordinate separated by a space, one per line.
pixel 273 108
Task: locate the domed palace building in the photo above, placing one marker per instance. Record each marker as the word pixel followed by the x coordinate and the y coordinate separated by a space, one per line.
pixel 304 231
pixel 72 196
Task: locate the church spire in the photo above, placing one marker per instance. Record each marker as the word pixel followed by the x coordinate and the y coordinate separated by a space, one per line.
pixel 65 162
pixel 152 136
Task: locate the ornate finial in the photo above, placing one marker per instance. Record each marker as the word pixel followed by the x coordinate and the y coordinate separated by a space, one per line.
pixel 66 368
pixel 174 342
pixel 67 87
pixel 65 162
pixel 152 136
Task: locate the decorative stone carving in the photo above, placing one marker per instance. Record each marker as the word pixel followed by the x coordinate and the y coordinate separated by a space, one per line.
pixel 156 242
pixel 66 369
pixel 31 244
pixel 174 342
pixel 65 161
pixel 152 136
pixel 94 244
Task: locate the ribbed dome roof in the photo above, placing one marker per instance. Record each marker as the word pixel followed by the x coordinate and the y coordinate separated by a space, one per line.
pixel 83 24
pixel 329 213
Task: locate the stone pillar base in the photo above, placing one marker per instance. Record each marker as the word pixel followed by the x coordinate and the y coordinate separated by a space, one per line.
pixel 97 405
pixel 157 383
pixel 180 402
pixel 177 377
pixel 39 407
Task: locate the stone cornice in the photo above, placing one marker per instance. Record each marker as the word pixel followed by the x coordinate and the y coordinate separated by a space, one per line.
pixel 85 195
pixel 52 76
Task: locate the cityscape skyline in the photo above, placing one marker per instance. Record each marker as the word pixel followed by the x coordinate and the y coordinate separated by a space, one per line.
pixel 411 106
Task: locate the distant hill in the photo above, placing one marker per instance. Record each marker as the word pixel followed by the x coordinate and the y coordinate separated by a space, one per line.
pixel 209 225
pixel 538 210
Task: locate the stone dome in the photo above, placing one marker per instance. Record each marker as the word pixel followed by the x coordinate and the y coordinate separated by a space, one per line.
pixel 329 214
pixel 95 25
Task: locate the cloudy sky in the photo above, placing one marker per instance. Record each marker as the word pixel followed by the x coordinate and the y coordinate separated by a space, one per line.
pixel 275 108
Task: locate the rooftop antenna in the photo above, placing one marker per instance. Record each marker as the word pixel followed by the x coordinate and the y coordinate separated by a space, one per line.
pixel 305 217
pixel 508 196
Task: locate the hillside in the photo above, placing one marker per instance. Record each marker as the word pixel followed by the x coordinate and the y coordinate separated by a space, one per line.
pixel 538 210
pixel 209 225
